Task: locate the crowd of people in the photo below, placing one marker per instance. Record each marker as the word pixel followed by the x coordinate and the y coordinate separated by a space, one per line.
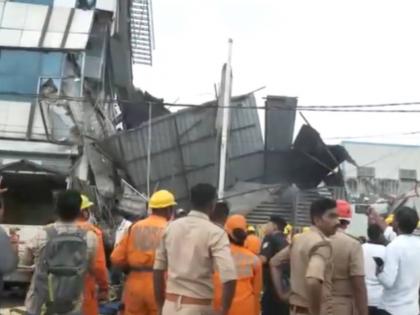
pixel 206 261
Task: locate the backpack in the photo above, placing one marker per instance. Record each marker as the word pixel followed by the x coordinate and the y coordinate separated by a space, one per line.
pixel 65 264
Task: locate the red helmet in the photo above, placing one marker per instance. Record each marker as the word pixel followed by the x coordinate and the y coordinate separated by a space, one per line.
pixel 344 210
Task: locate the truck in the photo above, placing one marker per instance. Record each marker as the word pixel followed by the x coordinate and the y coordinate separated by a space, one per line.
pixel 28 205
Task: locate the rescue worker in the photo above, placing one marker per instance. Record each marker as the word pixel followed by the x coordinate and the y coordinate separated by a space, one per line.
pixel 310 260
pixel 273 242
pixel 248 268
pixel 191 249
pixel 349 289
pixel 253 242
pixel 68 210
pixel 288 231
pixel 96 285
pixel 136 254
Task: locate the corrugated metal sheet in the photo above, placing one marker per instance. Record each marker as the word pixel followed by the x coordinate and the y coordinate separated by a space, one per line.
pixel 185 152
pixel 279 129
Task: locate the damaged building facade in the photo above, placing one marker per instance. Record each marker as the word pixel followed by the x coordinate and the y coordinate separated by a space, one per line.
pixel 66 84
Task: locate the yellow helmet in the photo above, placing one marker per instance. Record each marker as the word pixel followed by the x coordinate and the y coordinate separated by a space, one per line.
pixel 251 229
pixel 389 219
pixel 162 199
pixel 288 229
pixel 86 203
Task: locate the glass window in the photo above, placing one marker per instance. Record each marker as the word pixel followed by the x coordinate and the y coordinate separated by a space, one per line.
pixel 20 70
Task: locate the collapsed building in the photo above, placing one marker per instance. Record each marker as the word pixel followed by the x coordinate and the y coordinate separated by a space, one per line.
pixel 264 175
pixel 71 117
pixel 65 84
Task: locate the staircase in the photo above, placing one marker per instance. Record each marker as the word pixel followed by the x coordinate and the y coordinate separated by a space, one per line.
pixel 265 210
pixel 142 41
pixel 294 211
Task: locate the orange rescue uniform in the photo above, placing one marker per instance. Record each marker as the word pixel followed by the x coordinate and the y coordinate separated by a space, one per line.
pixel 248 285
pixel 98 279
pixel 253 243
pixel 136 253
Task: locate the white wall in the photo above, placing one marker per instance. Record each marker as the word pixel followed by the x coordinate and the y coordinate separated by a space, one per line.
pixel 387 159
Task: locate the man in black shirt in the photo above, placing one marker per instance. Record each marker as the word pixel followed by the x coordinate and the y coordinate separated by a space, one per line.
pixel 273 242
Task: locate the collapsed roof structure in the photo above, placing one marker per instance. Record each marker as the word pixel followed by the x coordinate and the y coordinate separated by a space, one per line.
pixel 263 177
pixel 184 149
pixel 68 104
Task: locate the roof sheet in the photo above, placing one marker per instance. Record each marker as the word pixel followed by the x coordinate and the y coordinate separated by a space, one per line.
pixel 184 149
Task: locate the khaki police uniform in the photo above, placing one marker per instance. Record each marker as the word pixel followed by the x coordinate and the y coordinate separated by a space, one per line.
pixel 310 256
pixel 189 250
pixel 348 262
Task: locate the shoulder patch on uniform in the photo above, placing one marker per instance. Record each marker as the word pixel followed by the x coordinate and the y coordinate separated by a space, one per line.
pixel 322 244
pixel 265 245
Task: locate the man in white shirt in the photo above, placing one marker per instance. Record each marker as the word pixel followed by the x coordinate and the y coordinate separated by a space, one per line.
pixel 375 247
pixel 122 228
pixel 400 274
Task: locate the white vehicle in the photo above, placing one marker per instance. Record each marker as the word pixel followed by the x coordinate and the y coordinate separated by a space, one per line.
pixel 25 234
pixel 28 207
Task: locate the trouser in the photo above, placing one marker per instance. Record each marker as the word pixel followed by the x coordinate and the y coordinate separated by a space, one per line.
pixel 90 300
pixel 77 311
pixel 177 308
pixel 139 296
pixel 343 305
pixel 243 307
pixel 272 306
pixel 375 311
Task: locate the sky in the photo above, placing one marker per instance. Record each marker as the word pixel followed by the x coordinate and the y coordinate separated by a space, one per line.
pixel 325 52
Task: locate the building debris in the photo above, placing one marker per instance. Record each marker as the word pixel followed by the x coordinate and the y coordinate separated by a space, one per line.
pixel 185 149
pixel 66 84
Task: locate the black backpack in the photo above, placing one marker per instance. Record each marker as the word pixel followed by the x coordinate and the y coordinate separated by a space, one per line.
pixel 65 264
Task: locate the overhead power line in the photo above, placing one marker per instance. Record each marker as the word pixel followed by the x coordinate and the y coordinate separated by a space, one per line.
pixel 368 108
pixel 375 136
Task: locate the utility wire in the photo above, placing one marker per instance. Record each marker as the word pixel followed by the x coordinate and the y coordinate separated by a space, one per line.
pixel 370 108
pixel 376 136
